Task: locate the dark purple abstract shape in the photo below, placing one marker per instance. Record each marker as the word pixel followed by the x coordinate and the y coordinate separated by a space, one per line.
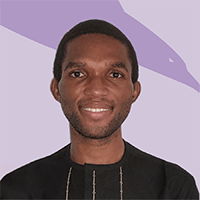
pixel 47 21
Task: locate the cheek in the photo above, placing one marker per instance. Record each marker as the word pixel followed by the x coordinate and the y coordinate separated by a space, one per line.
pixel 124 92
pixel 69 97
pixel 124 99
pixel 67 91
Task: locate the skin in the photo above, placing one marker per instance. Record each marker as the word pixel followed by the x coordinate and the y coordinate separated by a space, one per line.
pixel 96 93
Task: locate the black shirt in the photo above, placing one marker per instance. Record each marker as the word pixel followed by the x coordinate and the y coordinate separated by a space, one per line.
pixel 143 176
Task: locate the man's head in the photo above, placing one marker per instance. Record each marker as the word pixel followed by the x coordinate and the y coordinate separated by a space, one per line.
pixel 97 83
pixel 89 27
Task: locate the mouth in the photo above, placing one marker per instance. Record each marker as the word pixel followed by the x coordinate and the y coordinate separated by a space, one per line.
pixel 96 110
pixel 95 113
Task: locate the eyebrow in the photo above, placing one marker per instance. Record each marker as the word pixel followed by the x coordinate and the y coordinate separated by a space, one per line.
pixel 73 64
pixel 80 64
pixel 119 65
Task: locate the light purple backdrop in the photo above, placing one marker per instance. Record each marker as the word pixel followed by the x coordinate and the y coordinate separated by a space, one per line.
pixel 165 119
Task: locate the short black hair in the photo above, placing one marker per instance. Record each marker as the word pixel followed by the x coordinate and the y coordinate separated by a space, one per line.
pixel 89 27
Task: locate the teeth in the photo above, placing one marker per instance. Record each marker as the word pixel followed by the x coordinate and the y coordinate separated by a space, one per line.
pixel 95 109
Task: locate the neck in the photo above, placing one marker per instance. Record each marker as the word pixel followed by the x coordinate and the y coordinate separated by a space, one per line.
pixel 96 151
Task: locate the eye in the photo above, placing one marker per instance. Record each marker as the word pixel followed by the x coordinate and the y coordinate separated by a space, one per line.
pixel 116 75
pixel 77 74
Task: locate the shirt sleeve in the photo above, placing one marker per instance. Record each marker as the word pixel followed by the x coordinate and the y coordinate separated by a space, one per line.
pixel 183 188
pixel 12 189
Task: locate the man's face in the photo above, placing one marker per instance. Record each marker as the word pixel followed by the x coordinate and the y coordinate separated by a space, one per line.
pixel 95 90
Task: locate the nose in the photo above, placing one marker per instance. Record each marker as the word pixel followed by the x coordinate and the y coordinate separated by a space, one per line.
pixel 96 87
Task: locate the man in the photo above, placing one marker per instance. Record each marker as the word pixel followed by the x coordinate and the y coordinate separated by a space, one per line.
pixel 95 81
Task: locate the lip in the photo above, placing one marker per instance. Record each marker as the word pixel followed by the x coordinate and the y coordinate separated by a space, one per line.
pixel 101 115
pixel 96 111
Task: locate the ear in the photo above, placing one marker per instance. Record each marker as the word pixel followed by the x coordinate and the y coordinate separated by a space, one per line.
pixel 136 92
pixel 54 89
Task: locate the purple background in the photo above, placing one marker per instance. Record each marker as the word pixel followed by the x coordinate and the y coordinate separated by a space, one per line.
pixel 163 122
pixel 46 21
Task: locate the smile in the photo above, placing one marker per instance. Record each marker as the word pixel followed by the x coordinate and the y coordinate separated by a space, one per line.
pixel 96 109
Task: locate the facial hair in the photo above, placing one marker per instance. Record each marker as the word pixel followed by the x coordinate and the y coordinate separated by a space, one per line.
pixel 96 132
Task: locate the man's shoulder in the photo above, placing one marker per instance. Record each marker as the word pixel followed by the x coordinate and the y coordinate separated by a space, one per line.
pixel 53 159
pixel 149 161
pixel 34 178
pixel 50 161
pixel 177 181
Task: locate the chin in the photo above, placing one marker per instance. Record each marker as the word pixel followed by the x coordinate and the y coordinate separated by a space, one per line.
pixel 98 132
pixel 95 136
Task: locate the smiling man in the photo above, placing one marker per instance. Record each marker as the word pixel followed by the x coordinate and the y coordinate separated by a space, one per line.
pixel 95 81
pixel 96 93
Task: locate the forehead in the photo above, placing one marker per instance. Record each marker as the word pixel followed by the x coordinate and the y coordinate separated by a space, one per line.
pixel 97 47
